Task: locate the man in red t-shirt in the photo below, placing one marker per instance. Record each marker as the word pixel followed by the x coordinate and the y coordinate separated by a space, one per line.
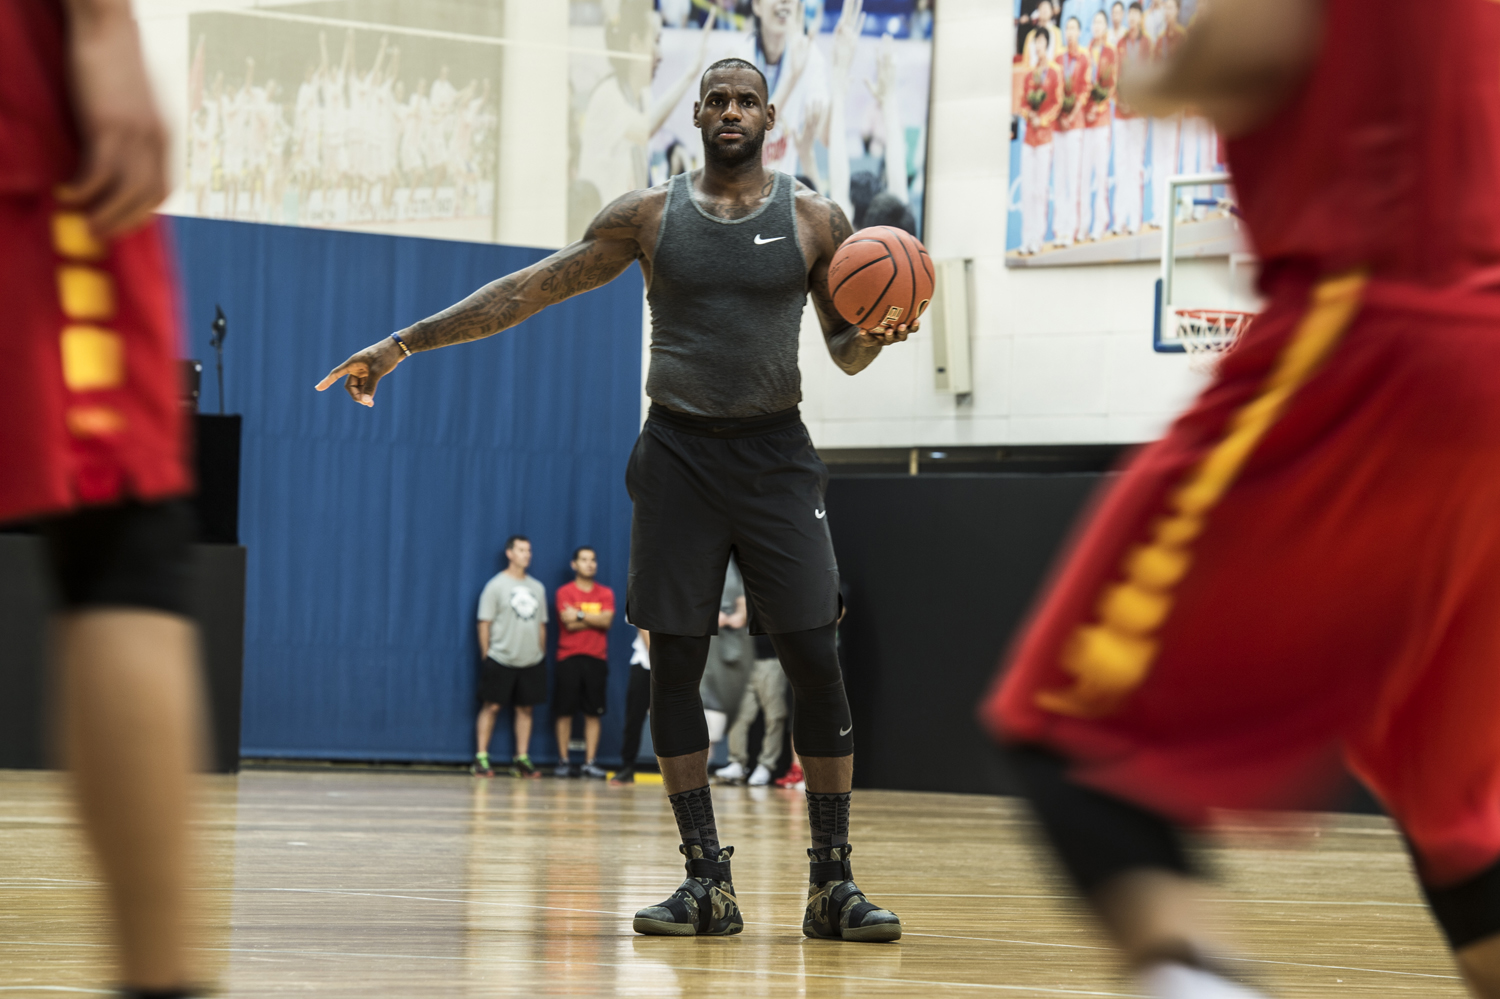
pixel 585 610
pixel 1303 574
pixel 91 447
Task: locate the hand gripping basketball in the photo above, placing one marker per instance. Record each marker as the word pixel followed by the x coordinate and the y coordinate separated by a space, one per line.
pixel 881 280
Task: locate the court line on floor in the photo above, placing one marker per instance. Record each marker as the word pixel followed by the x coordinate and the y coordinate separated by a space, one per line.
pixel 936 936
pixel 502 959
pixel 1216 900
pixel 756 972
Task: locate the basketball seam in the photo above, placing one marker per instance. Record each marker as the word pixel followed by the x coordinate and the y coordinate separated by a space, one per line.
pixel 870 263
pixel 911 301
pixel 881 297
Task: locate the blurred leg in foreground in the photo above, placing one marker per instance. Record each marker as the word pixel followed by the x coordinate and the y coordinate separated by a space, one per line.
pixel 133 733
pixel 132 736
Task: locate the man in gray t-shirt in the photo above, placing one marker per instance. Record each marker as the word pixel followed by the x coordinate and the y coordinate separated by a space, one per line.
pixel 513 641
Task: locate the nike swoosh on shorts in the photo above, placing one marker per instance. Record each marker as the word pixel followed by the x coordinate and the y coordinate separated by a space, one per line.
pixel 762 242
pixel 820 514
pixel 845 731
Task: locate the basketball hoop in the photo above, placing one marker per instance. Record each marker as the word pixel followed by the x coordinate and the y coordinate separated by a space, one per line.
pixel 1185 321
pixel 1207 333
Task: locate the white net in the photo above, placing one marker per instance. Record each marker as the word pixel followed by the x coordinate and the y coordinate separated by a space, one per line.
pixel 1205 334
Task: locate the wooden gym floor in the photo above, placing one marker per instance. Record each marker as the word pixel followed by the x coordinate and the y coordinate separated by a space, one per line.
pixel 380 884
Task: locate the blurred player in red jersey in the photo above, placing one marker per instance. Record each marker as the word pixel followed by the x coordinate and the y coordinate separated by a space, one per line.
pixel 1305 571
pixel 91 445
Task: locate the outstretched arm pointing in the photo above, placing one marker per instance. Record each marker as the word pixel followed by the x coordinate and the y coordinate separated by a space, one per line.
pixel 606 249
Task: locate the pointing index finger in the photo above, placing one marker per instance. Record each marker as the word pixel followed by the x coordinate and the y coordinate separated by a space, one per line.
pixel 332 377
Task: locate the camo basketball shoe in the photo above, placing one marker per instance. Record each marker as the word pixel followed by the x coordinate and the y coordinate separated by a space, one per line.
pixel 704 906
pixel 837 909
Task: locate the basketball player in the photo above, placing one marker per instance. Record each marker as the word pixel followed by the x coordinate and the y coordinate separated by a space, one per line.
pixel 91 446
pixel 1067 169
pixel 1117 26
pixel 723 464
pixel 1307 566
pixel 1041 103
pixel 1166 132
pixel 1130 133
pixel 1103 66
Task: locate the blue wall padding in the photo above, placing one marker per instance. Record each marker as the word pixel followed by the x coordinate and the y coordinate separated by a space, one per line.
pixel 371 531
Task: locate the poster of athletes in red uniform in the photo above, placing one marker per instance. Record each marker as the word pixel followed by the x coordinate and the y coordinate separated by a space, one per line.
pixel 1088 177
pixel 302 120
pixel 849 78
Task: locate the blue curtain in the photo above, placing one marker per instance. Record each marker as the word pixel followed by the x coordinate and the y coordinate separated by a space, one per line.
pixel 371 531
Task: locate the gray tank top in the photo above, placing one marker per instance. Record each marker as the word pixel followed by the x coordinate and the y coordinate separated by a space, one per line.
pixel 726 306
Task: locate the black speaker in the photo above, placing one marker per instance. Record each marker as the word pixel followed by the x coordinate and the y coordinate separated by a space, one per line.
pixel 218 471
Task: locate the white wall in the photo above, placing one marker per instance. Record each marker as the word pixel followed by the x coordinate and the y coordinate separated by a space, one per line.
pixel 1060 355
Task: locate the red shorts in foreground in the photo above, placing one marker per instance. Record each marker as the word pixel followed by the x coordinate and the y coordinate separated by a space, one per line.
pixel 1306 568
pixel 89 395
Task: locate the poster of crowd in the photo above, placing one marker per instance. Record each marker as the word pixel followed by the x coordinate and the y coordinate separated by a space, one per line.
pixel 1085 166
pixel 849 78
pixel 295 120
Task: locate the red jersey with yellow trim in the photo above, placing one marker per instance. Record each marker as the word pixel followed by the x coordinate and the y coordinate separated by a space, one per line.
pixel 1305 570
pixel 1043 85
pixel 1388 158
pixel 1103 68
pixel 89 409
pixel 1075 66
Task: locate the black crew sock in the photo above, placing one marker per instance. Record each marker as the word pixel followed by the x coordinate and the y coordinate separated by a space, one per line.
pixel 828 815
pixel 695 820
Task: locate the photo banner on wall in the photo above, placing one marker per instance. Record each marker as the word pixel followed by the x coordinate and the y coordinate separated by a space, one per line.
pixel 850 80
pixel 1088 177
pixel 297 118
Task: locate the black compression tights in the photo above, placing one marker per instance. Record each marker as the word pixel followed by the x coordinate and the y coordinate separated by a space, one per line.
pixel 820 721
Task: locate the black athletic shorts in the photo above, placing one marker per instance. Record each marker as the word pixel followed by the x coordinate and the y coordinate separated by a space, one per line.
pixel 703 488
pixel 580 684
pixel 131 554
pixel 512 686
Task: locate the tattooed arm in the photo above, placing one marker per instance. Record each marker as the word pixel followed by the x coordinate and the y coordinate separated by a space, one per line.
pixel 611 244
pixel 851 347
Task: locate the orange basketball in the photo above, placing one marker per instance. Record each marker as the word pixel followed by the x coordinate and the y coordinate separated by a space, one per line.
pixel 881 276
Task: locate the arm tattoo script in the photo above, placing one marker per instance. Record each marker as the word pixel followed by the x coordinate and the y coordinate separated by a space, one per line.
pixel 606 249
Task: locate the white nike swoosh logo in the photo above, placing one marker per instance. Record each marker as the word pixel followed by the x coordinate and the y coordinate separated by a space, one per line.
pixel 845 731
pixel 820 514
pixel 762 242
